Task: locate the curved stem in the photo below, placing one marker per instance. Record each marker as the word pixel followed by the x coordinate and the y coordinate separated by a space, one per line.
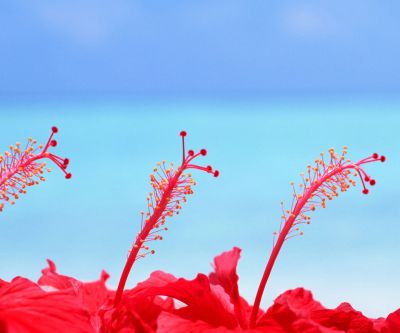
pixel 282 236
pixel 144 233
pixel 170 188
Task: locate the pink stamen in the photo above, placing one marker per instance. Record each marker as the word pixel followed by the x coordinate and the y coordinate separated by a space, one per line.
pixel 323 182
pixel 170 188
pixel 20 168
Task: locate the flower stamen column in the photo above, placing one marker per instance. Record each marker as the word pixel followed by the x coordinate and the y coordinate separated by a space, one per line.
pixel 321 182
pixel 20 167
pixel 170 188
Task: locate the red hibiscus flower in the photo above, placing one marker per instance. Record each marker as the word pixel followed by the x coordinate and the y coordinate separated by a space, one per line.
pixel 210 304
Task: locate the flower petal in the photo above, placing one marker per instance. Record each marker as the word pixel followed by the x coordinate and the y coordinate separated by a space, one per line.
pixel 93 296
pixel 26 308
pixel 51 278
pixel 392 324
pixel 202 302
pixel 226 276
pixel 344 318
pixel 169 322
pixel 225 272
pixel 289 307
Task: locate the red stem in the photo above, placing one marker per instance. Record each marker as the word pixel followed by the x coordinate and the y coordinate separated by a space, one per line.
pixel 145 232
pixel 282 236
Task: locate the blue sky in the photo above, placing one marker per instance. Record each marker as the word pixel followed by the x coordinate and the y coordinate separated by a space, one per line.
pixel 199 48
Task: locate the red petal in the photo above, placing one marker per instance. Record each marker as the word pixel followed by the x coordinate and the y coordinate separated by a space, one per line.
pixel 172 323
pixel 202 302
pixel 156 279
pixel 300 301
pixel 168 323
pixel 225 272
pixel 297 312
pixel 138 310
pixel 289 307
pixel 2 283
pixel 51 278
pixel 93 296
pixel 379 324
pixel 26 308
pixel 308 326
pixel 344 318
pixel 122 320
pixel 392 324
pixel 226 276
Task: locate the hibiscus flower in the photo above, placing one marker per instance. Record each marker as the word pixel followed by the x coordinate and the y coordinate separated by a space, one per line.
pixel 211 304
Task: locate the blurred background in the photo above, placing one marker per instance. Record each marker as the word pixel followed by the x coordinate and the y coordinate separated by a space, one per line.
pixel 265 86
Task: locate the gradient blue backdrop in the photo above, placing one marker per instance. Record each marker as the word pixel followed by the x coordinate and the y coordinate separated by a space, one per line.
pixel 265 86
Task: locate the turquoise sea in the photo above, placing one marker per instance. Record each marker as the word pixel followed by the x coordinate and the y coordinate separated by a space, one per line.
pixel 350 252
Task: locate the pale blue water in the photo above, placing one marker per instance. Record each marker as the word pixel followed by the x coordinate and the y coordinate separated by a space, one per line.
pixel 349 253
